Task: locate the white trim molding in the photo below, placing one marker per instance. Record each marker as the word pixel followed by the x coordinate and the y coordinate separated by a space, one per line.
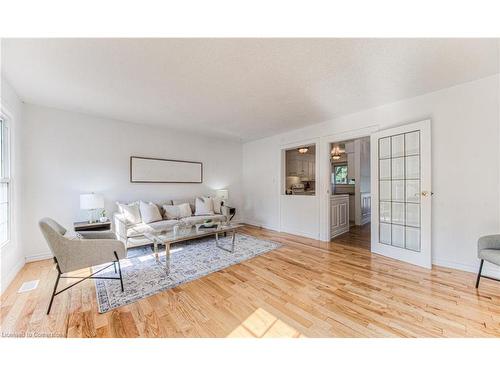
pixel 11 275
pixel 39 256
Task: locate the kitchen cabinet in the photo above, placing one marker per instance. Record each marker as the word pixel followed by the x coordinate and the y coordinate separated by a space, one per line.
pixel 339 214
pixel 303 168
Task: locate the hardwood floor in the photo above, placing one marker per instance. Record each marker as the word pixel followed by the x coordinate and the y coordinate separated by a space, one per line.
pixel 358 236
pixel 306 288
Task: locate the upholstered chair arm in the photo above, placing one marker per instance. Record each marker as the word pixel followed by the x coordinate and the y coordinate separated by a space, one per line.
pixel 489 242
pixel 98 235
pixel 76 254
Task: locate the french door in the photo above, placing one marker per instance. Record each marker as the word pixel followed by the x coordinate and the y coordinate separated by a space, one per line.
pixel 401 192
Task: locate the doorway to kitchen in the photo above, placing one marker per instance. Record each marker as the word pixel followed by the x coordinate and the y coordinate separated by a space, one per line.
pixel 350 197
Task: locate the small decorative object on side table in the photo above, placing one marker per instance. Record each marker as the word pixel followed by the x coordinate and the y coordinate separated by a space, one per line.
pixel 85 226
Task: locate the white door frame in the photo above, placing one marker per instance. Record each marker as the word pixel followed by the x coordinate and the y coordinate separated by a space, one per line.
pixel 325 171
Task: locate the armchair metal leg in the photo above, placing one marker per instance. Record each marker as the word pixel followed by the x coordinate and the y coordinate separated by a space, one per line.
pixel 55 287
pixel 119 270
pixel 91 276
pixel 479 273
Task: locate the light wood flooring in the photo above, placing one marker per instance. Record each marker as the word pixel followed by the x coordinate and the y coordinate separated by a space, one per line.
pixel 306 288
pixel 358 236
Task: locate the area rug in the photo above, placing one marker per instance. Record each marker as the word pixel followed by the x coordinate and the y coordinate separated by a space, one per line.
pixel 143 276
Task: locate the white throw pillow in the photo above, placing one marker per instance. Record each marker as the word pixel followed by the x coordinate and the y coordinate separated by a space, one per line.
pixel 131 212
pixel 217 205
pixel 204 206
pixel 149 212
pixel 171 212
pixel 185 210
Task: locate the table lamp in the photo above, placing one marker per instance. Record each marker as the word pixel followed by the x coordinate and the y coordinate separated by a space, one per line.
pixel 223 194
pixel 91 202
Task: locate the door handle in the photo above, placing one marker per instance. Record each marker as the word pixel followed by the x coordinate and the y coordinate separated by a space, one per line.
pixel 425 193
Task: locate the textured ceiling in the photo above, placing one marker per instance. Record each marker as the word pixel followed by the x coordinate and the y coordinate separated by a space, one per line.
pixel 237 88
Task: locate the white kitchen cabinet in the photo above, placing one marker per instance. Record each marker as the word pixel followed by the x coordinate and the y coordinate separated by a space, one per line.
pixel 339 215
pixel 312 171
pixel 303 167
pixel 292 167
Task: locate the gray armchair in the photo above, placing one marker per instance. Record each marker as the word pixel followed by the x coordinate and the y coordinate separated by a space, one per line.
pixel 71 254
pixel 488 249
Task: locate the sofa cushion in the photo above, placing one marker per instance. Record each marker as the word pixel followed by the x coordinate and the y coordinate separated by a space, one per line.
pixel 140 229
pixel 149 212
pixel 193 220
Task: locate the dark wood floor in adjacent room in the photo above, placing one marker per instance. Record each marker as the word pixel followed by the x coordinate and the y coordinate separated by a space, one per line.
pixel 306 288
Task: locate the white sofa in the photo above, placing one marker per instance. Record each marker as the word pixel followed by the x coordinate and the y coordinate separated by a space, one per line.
pixel 133 234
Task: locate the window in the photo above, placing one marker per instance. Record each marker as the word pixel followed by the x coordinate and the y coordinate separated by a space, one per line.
pixel 4 184
pixel 339 176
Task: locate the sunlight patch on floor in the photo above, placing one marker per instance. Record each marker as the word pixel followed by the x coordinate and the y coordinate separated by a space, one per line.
pixel 263 324
pixel 145 258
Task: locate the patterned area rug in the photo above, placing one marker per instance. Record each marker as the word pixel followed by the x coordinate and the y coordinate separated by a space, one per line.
pixel 143 276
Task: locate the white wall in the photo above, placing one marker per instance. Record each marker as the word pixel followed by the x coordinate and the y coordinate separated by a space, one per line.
pixel 12 256
pixel 466 165
pixel 66 154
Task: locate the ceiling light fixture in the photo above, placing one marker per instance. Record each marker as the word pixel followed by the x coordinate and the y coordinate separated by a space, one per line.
pixel 335 153
pixel 303 150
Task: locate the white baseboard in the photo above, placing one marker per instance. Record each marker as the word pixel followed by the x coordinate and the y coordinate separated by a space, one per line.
pixel 12 275
pixel 488 269
pixel 258 224
pixel 39 256
pixel 299 233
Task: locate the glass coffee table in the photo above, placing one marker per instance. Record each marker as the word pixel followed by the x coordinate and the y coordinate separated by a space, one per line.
pixel 171 236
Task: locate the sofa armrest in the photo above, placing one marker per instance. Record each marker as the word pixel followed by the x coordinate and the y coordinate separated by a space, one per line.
pixel 121 225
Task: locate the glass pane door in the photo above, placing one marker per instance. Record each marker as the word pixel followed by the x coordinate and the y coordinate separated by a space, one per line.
pixel 399 190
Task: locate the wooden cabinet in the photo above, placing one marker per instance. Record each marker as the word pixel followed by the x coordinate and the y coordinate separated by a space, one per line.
pixel 339 214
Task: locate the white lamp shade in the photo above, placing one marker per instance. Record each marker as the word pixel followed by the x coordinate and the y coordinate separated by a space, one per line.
pixel 91 201
pixel 222 194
